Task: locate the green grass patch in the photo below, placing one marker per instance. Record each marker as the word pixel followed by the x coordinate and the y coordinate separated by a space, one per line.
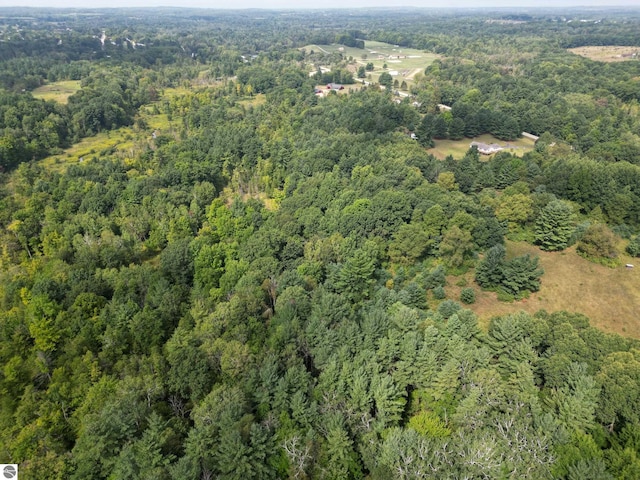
pixel 254 101
pixel 158 122
pixel 104 143
pixel 57 91
pixel 458 148
pixel 403 63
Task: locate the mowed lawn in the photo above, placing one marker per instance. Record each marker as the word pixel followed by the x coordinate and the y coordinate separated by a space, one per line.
pixel 610 297
pixel 57 91
pixel 458 148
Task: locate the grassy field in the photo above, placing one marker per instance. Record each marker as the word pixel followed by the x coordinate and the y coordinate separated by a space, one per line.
pixel 457 148
pixel 57 91
pixel 255 101
pixel 120 140
pixel 610 297
pixel 608 53
pixel 411 61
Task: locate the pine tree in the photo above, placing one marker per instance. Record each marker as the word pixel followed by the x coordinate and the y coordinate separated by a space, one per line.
pixel 490 271
pixel 554 226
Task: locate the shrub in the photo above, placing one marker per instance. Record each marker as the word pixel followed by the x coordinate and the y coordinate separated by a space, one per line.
pixel 633 248
pixel 438 293
pixel 598 242
pixel 468 295
pixel 504 296
pixel 448 308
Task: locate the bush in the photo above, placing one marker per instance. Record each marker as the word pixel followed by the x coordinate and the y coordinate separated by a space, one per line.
pixel 448 308
pixel 504 296
pixel 438 293
pixel 468 295
pixel 633 248
pixel 598 242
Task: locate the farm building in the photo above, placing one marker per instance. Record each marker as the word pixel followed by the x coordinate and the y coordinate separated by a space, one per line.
pixel 335 86
pixel 486 149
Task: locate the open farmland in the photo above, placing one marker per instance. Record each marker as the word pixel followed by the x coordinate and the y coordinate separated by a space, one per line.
pixel 402 63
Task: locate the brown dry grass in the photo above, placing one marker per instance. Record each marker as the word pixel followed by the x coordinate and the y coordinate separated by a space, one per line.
pixel 610 297
pixel 607 53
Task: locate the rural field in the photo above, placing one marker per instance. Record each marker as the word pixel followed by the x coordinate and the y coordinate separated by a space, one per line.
pixel 457 148
pixel 57 91
pixel 608 53
pixel 119 140
pixel 402 63
pixel 610 297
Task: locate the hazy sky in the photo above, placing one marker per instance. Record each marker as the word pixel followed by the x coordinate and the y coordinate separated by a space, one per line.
pixel 315 3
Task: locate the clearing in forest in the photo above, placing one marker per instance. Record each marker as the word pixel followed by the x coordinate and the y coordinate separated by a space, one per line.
pixel 57 91
pixel 119 140
pixel 402 63
pixel 458 148
pixel 608 53
pixel 610 297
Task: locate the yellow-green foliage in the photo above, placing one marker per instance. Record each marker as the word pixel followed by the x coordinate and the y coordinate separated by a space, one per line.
pixel 57 91
pixel 429 425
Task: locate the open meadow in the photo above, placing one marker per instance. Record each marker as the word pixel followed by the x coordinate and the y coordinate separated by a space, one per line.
pixel 608 53
pixel 57 91
pixel 458 148
pixel 610 297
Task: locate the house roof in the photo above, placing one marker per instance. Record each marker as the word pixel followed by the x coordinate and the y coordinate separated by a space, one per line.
pixel 486 148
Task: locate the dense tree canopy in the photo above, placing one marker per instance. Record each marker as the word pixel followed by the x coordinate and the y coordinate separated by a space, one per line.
pixel 238 278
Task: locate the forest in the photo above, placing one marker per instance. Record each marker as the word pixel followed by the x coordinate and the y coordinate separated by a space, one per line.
pixel 212 266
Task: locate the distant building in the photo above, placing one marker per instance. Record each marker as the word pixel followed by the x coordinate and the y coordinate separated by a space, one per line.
pixel 530 136
pixel 335 86
pixel 486 149
pixel 444 108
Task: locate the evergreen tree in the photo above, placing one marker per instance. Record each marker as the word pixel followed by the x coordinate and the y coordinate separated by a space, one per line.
pixel 554 226
pixel 490 271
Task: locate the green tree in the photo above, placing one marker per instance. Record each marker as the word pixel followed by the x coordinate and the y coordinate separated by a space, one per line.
pixel 456 246
pixel 468 295
pixel 619 378
pixel 633 248
pixel 410 243
pixel 522 274
pixel 598 241
pixel 554 226
pixel 355 278
pixel 490 271
pixel 386 79
pixel 456 129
